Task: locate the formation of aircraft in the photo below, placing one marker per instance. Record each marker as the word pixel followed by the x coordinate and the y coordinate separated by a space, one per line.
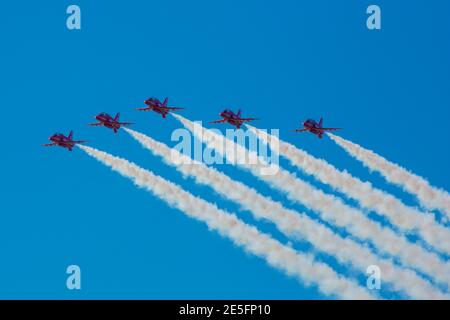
pixel 59 139
pixel 154 104
pixel 315 128
pixel 233 118
pixel 107 121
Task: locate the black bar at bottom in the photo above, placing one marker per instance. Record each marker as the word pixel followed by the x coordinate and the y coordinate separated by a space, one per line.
pixel 220 309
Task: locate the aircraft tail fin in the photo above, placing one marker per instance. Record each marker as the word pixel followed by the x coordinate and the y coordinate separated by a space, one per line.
pixel 70 134
pixel 321 122
pixel 239 113
pixel 166 101
pixel 116 118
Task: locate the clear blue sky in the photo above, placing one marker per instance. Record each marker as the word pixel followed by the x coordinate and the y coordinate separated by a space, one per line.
pixel 280 61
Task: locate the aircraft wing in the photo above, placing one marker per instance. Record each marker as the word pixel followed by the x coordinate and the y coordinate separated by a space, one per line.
pixel 171 108
pixel 96 124
pixel 247 119
pixel 331 129
pixel 219 121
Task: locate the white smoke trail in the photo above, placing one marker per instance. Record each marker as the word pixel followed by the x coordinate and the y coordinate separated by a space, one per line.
pixel 292 223
pixel 430 197
pixel 406 218
pixel 329 207
pixel 228 225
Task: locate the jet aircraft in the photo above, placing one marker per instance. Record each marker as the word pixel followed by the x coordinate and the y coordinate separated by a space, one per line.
pixel 59 139
pixel 154 104
pixel 233 118
pixel 107 121
pixel 315 128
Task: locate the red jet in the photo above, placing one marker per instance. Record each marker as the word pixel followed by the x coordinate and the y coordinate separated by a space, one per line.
pixel 233 118
pixel 153 104
pixel 315 128
pixel 58 139
pixel 109 122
